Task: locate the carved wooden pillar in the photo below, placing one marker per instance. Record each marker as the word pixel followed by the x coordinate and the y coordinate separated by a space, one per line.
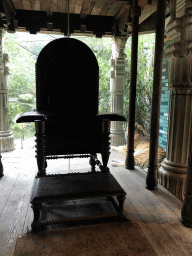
pixel 6 136
pixel 151 180
pixel 129 161
pixel 117 85
pixel 186 212
pixel 173 171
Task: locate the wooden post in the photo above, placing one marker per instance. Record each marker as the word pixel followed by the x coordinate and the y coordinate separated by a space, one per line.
pixel 136 11
pixel 40 148
pixel 1 167
pixel 186 212
pixel 118 63
pixel 105 143
pixel 151 180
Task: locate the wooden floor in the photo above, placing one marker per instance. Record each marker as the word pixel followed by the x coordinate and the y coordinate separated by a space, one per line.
pixel 156 212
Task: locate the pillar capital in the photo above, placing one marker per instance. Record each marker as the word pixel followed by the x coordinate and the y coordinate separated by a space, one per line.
pixel 118 47
pixel 179 52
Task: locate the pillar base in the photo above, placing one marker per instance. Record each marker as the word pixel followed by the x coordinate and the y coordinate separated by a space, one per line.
pixel 129 160
pixel 174 182
pixel 186 212
pixel 117 138
pixel 6 141
pixel 151 179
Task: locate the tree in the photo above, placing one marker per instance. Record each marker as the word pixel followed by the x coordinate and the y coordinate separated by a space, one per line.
pixel 146 45
pixel 21 80
pixel 102 50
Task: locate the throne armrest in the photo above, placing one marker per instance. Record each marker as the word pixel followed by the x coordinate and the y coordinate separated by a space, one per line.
pixel 112 117
pixel 32 116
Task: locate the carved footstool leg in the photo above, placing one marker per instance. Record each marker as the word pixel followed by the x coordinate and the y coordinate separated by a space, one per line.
pixel 36 224
pixel 92 162
pixel 121 200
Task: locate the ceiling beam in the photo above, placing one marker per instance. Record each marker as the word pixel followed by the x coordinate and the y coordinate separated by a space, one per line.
pixel 149 25
pixel 148 10
pixel 148 7
pixel 36 21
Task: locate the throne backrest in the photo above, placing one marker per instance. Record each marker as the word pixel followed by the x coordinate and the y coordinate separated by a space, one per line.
pixel 67 79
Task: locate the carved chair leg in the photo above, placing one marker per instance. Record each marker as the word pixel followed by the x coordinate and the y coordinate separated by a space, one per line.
pixel 105 159
pixel 36 224
pixel 1 167
pixel 40 148
pixel 41 163
pixel 121 200
pixel 105 144
pixel 92 162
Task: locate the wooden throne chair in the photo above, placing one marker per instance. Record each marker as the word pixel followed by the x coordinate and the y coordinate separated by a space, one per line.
pixel 68 125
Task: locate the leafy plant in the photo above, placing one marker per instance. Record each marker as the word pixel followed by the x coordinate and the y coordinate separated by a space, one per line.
pixel 144 80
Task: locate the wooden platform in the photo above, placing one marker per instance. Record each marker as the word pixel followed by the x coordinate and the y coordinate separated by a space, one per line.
pixel 156 212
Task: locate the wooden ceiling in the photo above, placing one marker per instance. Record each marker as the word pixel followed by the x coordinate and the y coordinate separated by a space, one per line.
pixel 93 17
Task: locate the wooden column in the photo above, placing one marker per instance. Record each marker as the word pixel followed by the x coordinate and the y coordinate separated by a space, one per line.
pixel 186 212
pixel 151 180
pixel 1 167
pixel 173 170
pixel 6 136
pixel 135 12
pixel 117 85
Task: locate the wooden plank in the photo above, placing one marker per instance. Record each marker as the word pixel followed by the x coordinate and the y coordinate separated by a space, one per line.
pixel 28 220
pixel 6 185
pixel 163 195
pixel 147 198
pixel 106 7
pixel 98 6
pixel 12 218
pixel 144 3
pixel 54 6
pixel 87 8
pixel 78 6
pixel 121 12
pixel 140 215
pixel 26 4
pixel 17 4
pixel 115 8
pixel 72 4
pixel 162 215
pixel 46 6
pixel 150 9
pixel 61 5
pixel 35 5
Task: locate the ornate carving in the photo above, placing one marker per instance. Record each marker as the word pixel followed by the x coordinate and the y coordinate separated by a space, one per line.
pixel 173 182
pixel 6 136
pixel 118 64
pixel 173 171
pixel 40 148
pixel 118 47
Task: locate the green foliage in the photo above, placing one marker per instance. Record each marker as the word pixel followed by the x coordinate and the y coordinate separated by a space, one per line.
pixel 144 80
pixel 102 51
pixel 21 80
